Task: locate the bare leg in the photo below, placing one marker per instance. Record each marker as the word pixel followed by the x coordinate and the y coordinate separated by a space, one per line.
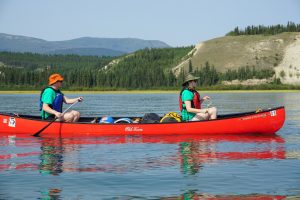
pixel 212 113
pixel 76 115
pixel 200 117
pixel 68 117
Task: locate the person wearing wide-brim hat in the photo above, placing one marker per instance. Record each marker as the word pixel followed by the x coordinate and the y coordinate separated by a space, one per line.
pixel 52 99
pixel 189 77
pixel 190 102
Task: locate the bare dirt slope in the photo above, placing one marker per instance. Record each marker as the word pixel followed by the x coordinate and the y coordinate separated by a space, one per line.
pixel 289 69
pixel 280 52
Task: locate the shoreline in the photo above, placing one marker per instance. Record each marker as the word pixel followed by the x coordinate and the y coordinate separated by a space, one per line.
pixel 152 91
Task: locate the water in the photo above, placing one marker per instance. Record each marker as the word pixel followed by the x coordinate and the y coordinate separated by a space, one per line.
pixel 169 167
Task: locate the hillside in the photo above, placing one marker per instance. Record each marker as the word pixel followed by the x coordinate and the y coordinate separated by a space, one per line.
pixel 234 62
pixel 278 52
pixel 79 46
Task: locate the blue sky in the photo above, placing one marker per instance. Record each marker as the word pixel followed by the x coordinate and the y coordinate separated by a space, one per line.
pixel 178 23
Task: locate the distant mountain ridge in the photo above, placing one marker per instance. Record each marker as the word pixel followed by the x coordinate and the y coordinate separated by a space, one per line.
pixel 79 46
pixel 87 52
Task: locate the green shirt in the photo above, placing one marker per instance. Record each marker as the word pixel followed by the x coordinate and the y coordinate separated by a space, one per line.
pixel 48 97
pixel 186 96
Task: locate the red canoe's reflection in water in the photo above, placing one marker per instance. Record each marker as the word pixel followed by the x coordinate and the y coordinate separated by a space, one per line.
pixel 193 151
pixel 191 195
pixel 55 193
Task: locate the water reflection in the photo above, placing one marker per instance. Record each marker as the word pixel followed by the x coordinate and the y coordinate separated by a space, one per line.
pixel 190 162
pixel 51 157
pixel 51 194
pixel 59 155
pixel 193 195
pixel 194 154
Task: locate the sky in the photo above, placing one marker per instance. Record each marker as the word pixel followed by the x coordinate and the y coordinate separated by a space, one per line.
pixel 176 22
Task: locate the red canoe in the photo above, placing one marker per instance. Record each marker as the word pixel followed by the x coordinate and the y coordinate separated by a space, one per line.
pixel 266 121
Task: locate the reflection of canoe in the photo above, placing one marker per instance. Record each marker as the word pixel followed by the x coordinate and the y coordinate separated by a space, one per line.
pixel 192 195
pixel 24 140
pixel 263 122
pixel 193 150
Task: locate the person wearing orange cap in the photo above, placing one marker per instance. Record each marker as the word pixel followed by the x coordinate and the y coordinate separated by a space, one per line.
pixel 52 99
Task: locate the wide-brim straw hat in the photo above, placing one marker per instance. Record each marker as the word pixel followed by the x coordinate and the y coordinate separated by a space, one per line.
pixel 190 77
pixel 54 78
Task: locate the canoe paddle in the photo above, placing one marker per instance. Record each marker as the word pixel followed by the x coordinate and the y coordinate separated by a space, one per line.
pixel 40 131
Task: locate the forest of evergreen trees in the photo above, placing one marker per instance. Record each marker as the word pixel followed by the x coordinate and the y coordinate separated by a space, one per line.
pixel 209 75
pixel 265 30
pixel 145 69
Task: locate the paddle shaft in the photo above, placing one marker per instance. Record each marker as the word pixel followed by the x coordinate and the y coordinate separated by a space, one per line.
pixel 40 131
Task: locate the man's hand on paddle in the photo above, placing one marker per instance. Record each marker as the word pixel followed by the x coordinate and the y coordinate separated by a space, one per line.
pixel 80 99
pixel 58 115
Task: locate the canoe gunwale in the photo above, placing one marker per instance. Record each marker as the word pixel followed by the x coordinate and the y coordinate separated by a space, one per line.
pixel 88 119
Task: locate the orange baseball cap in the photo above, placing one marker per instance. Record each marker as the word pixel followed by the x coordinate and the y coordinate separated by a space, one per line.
pixel 54 78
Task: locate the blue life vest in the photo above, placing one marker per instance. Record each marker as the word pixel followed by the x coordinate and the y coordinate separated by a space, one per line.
pixel 58 101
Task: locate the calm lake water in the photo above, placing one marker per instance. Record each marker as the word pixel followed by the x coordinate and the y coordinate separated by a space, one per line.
pixel 166 167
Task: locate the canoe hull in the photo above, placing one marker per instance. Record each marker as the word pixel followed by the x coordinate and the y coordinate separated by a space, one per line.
pixel 265 122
